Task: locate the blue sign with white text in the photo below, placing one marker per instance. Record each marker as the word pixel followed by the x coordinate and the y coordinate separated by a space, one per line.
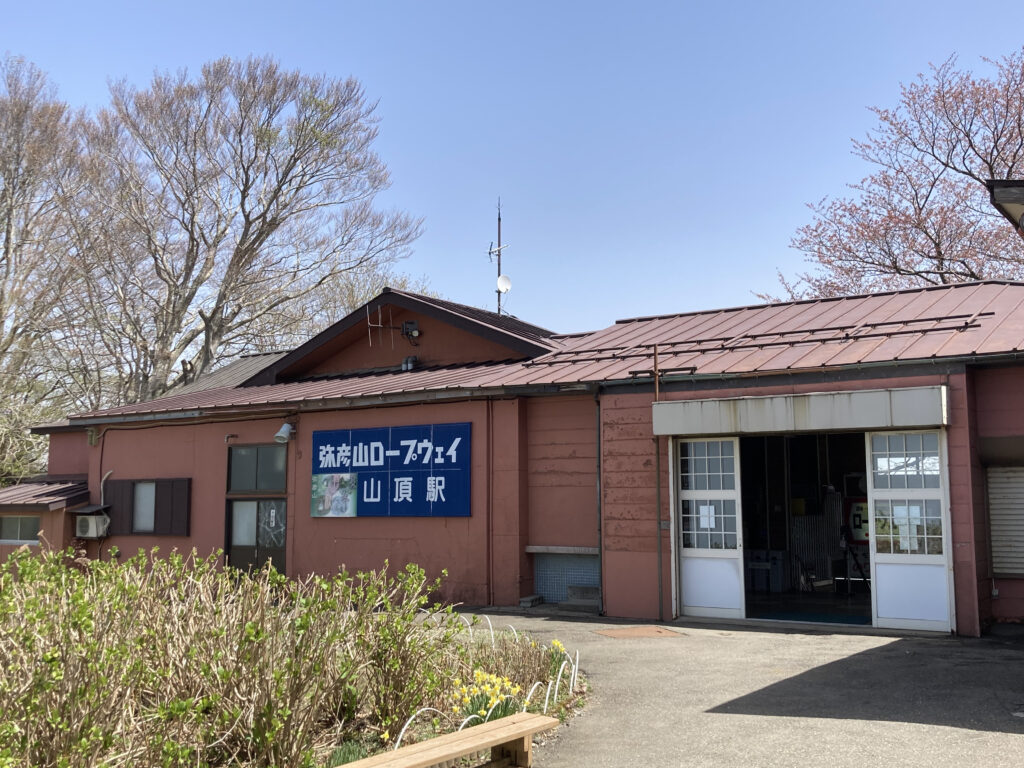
pixel 418 471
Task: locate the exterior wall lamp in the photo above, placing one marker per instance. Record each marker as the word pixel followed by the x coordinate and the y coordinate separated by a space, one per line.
pixel 285 433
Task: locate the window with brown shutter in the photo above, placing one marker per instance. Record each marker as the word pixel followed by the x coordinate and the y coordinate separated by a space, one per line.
pixel 172 500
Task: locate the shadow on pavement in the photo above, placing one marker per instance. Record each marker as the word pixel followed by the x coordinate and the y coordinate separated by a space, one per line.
pixel 976 686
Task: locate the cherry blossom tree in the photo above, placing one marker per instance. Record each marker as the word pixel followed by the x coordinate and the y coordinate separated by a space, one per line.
pixel 922 216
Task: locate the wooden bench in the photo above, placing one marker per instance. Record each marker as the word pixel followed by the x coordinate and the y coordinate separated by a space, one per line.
pixel 510 740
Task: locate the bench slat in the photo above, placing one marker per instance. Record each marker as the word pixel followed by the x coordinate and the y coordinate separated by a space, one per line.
pixel 467 741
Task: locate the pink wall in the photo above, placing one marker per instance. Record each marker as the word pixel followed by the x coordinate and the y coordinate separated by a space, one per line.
pixel 482 553
pixel 562 434
pixel 967 512
pixel 68 454
pixel 630 527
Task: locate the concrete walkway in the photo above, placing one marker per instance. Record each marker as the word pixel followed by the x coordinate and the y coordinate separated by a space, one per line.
pixel 729 695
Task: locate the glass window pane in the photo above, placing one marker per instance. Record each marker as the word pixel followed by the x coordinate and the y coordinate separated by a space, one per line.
pixel 144 511
pixel 728 482
pixel 699 449
pixel 896 443
pixel 880 480
pixel 727 448
pixel 715 482
pixel 271 524
pixel 29 528
pixel 934 546
pixel 878 444
pixel 243 523
pixel 883 545
pixel 243 468
pixel 700 482
pixel 714 449
pixel 271 464
pixel 728 465
pixel 715 466
pixel 913 443
pixel 9 528
pixel 931 442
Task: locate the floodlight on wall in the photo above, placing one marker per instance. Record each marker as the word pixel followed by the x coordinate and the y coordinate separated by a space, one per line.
pixel 285 433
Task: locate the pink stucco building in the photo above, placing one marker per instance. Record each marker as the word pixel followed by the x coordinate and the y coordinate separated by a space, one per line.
pixel 853 460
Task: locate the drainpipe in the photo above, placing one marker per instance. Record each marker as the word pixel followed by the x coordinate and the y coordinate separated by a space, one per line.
pixel 657 521
pixel 600 535
pixel 657 491
pixel 490 501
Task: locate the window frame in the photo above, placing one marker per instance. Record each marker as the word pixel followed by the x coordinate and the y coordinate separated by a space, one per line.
pixel 684 495
pixel 245 493
pixel 892 496
pixel 22 541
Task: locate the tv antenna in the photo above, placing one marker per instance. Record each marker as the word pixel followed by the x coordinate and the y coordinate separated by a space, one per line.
pixel 504 282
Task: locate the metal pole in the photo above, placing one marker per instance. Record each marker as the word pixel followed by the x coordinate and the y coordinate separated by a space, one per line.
pixel 499 254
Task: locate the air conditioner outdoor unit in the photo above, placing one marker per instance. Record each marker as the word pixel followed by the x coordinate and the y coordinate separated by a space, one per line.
pixel 91 526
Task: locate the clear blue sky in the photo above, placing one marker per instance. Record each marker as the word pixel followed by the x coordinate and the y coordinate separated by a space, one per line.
pixel 650 157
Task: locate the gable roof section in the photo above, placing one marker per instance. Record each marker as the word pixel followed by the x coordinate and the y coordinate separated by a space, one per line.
pixel 524 338
pixel 966 321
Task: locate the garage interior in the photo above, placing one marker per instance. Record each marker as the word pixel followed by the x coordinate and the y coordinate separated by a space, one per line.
pixel 805 528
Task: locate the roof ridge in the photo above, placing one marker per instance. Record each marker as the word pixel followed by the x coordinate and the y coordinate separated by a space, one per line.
pixel 469 308
pixel 820 299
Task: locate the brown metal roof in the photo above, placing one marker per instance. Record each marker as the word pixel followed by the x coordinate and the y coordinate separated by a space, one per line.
pixel 44 495
pixel 953 321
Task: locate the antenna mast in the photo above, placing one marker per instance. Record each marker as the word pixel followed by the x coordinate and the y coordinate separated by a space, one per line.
pixel 499 254
pixel 503 282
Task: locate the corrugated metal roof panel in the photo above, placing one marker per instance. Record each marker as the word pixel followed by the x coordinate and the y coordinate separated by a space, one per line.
pixel 42 494
pixel 896 327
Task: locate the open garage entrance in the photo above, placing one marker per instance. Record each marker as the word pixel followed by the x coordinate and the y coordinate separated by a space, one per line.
pixel 805 528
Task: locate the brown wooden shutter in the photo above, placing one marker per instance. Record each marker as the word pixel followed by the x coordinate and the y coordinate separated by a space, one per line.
pixel 173 501
pixel 120 494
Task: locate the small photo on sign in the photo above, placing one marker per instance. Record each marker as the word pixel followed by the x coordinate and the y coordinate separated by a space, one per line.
pixel 334 495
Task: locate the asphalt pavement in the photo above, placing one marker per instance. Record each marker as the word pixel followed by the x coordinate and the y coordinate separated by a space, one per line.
pixel 703 694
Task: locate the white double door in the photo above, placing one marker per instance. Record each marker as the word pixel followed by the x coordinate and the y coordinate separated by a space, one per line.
pixel 911 573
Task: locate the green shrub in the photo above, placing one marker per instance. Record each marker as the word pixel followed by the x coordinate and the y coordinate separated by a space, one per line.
pixel 175 661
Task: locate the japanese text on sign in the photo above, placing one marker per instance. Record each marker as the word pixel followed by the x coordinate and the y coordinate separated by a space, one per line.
pixel 421 471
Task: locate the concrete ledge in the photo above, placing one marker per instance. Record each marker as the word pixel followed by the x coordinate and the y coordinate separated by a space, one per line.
pixel 540 549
